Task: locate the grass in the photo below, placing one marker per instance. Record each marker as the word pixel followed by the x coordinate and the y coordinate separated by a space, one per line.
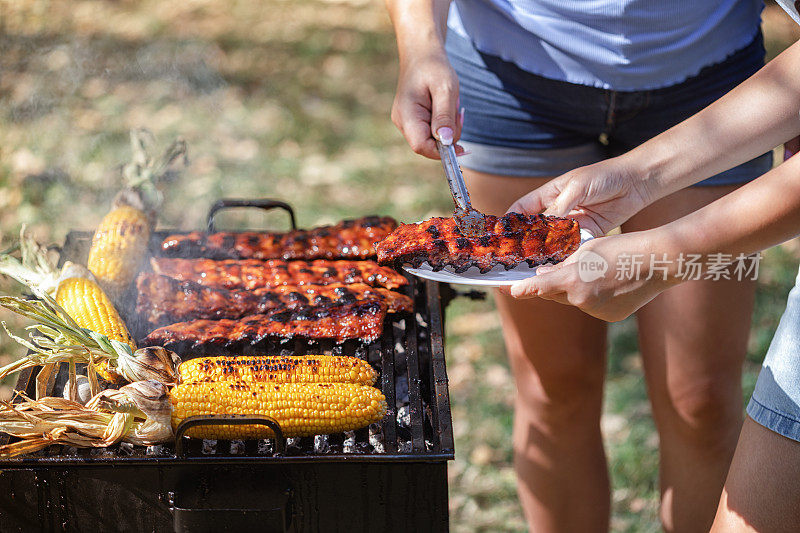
pixel 290 99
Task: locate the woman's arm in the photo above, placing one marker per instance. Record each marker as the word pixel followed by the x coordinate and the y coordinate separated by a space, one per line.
pixel 760 214
pixel 753 118
pixel 426 101
pixel 419 25
pixel 763 213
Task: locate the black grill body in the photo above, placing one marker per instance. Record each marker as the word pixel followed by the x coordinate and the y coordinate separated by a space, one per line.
pixel 225 496
pixel 389 477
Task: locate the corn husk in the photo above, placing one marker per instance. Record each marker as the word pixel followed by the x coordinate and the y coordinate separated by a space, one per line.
pixel 151 363
pixel 36 267
pixel 146 399
pixel 138 413
pixel 145 172
pixel 57 338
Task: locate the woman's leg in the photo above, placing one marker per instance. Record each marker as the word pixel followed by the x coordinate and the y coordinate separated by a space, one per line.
pixel 763 486
pixel 557 355
pixel 693 341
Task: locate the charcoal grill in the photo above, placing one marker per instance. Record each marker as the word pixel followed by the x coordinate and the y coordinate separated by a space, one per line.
pixel 389 477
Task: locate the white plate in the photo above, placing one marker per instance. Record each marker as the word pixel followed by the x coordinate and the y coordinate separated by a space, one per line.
pixel 497 277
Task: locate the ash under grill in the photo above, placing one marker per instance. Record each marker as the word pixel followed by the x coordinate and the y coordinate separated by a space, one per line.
pixel 389 477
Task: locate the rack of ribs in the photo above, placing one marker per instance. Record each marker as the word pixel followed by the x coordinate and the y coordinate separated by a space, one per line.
pixel 349 239
pixel 251 274
pixel 162 300
pixel 508 240
pixel 362 321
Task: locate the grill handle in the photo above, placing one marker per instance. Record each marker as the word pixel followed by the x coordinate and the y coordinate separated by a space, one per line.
pixel 228 420
pixel 261 203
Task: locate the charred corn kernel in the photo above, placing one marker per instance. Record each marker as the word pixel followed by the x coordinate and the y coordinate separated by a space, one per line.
pixel 88 305
pixel 289 369
pixel 299 408
pixel 118 247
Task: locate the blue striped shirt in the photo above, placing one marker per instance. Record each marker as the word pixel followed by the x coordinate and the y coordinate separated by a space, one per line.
pixel 790 8
pixel 625 45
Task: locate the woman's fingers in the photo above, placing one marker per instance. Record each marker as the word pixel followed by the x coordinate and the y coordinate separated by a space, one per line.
pixel 559 283
pixel 557 197
pixel 578 282
pixel 426 104
pixel 413 120
pixel 589 224
pixel 418 136
pixel 444 113
pixel 535 201
pixel 568 197
pixel 417 133
pixel 547 282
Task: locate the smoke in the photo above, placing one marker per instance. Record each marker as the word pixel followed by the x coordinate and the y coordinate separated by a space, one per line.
pixel 70 98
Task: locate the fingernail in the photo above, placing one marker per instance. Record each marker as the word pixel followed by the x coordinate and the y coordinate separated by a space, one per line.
pixel 463 152
pixel 461 117
pixel 445 135
pixel 544 269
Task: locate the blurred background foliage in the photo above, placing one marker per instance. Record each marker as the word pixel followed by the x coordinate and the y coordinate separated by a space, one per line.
pixel 290 99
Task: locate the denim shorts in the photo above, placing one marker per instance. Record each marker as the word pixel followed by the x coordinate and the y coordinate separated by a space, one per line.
pixel 521 124
pixel 776 399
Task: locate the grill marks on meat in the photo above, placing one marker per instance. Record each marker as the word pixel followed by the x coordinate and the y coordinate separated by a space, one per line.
pixel 239 297
pixel 163 300
pixel 362 321
pixel 349 239
pixel 252 274
pixel 508 241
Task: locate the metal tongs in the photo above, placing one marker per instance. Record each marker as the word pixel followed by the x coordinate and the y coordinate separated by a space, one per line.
pixel 470 221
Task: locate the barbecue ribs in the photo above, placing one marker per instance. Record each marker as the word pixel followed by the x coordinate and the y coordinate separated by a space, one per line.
pixel 163 300
pixel 349 239
pixel 252 274
pixel 362 321
pixel 508 241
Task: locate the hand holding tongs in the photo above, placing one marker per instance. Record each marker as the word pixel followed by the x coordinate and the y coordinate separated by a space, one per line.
pixel 471 222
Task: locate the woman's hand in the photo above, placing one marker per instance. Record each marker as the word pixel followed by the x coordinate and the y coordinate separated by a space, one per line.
pixel 600 196
pixel 609 277
pixel 426 103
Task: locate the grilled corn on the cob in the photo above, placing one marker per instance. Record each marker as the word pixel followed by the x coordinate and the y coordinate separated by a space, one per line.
pixel 72 309
pixel 75 290
pixel 301 409
pixel 89 306
pixel 118 247
pixel 289 369
pixel 120 242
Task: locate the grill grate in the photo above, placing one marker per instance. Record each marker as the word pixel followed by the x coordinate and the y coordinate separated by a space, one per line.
pixel 409 356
